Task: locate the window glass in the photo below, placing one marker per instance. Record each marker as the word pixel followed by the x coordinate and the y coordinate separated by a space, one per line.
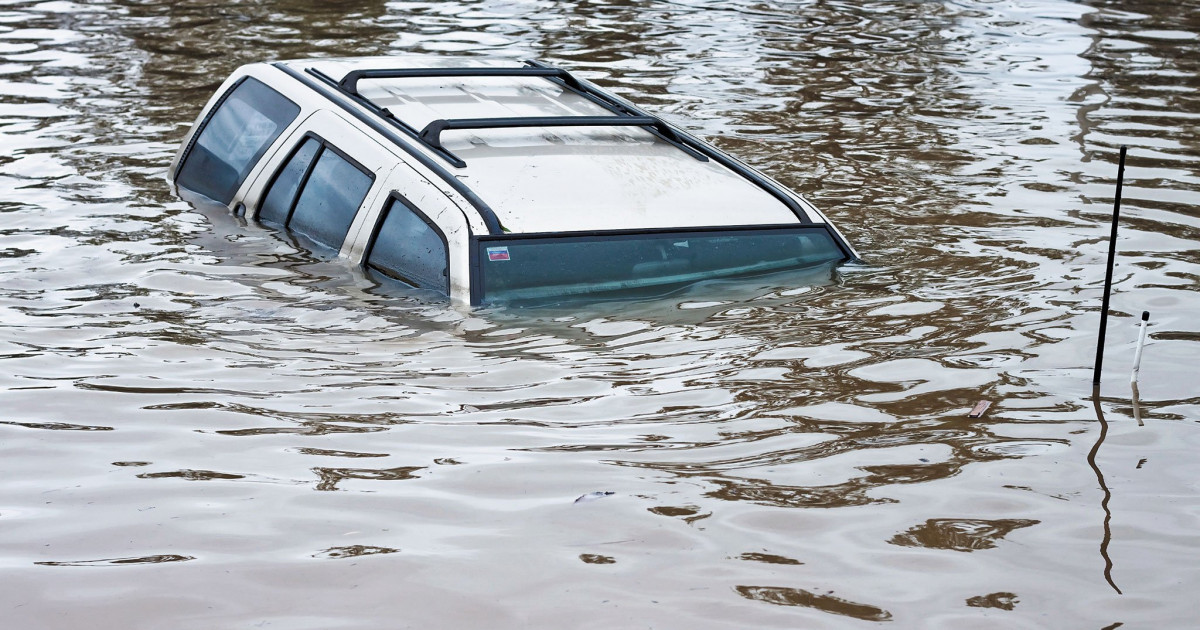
pixel 410 250
pixel 329 199
pixel 233 140
pixel 538 268
pixel 277 204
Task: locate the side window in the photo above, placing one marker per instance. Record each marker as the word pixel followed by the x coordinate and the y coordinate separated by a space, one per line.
pixel 316 193
pixel 329 199
pixel 234 138
pixel 409 249
pixel 277 205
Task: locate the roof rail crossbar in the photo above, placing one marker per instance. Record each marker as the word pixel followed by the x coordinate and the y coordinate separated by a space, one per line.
pixel 349 83
pixel 432 133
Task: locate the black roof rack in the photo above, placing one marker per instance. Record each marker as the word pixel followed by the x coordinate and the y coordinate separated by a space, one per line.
pixel 432 133
pixel 624 114
pixel 348 85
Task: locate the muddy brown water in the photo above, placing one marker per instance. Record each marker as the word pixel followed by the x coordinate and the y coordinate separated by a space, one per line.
pixel 203 427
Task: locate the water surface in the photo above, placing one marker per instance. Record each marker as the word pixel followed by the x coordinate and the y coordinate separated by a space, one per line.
pixel 203 426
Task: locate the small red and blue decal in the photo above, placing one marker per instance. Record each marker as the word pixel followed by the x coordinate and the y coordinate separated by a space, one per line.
pixel 497 253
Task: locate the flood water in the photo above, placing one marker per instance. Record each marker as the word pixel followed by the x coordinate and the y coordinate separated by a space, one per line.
pixel 202 426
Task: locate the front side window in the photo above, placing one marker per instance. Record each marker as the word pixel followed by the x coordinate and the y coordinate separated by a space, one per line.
pixel 234 138
pixel 316 193
pixel 538 268
pixel 409 249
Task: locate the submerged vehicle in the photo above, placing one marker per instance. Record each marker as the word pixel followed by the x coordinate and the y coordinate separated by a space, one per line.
pixel 489 182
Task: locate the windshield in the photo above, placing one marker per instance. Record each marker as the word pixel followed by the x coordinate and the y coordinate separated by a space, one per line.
pixel 543 267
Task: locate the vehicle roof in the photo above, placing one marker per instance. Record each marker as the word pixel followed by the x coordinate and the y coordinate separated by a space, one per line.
pixel 554 179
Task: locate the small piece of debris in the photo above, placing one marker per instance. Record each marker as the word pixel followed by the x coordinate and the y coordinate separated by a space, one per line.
pixel 1003 601
pixel 979 409
pixel 592 496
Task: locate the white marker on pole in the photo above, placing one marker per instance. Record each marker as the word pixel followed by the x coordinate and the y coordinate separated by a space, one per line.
pixel 1137 356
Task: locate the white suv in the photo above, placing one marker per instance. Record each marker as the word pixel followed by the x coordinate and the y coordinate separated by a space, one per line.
pixel 489 182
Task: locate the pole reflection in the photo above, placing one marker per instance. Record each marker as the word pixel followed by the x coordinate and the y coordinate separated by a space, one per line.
pixel 1107 539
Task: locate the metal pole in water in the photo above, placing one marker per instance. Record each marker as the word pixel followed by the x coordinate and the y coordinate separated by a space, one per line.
pixel 1137 364
pixel 1137 356
pixel 1112 256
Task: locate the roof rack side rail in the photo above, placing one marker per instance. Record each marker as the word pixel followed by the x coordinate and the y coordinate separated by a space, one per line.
pixel 349 83
pixel 685 141
pixel 432 133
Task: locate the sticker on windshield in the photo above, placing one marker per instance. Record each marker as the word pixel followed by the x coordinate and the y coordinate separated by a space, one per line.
pixel 497 253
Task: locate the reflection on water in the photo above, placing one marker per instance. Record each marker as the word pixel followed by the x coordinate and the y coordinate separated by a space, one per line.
pixel 959 534
pixel 810 434
pixel 119 561
pixel 191 475
pixel 331 477
pixel 768 558
pixel 1003 601
pixel 1093 461
pixel 827 603
pixel 353 551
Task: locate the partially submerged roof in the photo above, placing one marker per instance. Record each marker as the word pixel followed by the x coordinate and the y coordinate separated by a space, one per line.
pixel 555 178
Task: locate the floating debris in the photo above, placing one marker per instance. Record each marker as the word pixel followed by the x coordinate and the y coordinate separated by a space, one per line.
pixel 979 409
pixel 592 496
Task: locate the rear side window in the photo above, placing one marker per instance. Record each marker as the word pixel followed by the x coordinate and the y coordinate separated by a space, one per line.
pixel 409 249
pixel 329 199
pixel 317 193
pixel 277 205
pixel 234 137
